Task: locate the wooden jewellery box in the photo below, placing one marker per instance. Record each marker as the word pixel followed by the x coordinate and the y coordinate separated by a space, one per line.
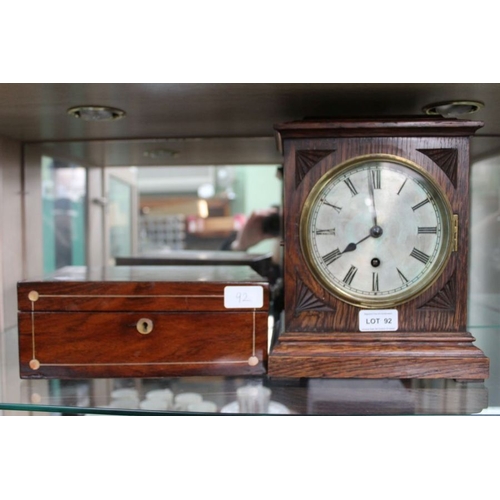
pixel 143 322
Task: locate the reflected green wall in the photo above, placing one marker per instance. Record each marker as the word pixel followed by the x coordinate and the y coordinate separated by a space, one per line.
pixel 257 188
pixel 74 210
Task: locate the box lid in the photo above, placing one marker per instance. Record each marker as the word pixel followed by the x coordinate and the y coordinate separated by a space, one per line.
pixel 141 288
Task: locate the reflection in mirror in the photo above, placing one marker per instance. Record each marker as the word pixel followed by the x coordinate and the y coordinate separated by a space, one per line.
pixel 149 211
pixel 63 213
pixel 484 264
pixel 200 208
pixel 485 227
pixel 121 217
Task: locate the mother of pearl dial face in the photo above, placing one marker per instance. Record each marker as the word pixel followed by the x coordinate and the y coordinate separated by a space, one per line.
pixel 376 232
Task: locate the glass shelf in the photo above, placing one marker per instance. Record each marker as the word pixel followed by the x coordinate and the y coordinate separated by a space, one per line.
pixel 289 396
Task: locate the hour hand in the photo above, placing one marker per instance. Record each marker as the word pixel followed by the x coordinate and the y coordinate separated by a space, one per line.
pixel 352 246
pixel 375 232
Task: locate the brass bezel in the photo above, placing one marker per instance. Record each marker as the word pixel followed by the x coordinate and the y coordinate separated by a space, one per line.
pixel 412 291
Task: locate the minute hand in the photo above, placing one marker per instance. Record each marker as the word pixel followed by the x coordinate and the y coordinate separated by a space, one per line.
pixel 372 196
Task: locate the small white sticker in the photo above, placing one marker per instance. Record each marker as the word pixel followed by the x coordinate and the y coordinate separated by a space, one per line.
pixel 382 320
pixel 243 297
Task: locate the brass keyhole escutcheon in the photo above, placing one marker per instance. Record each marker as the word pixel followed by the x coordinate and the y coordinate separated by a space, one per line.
pixel 144 326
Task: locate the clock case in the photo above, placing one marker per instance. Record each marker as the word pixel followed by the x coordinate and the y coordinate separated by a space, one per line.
pixel 320 334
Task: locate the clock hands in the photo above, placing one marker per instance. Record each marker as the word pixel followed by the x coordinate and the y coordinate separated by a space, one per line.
pixel 371 190
pixel 352 246
pixel 375 232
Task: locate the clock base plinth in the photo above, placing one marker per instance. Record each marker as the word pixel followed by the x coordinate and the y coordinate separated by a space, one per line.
pixel 403 356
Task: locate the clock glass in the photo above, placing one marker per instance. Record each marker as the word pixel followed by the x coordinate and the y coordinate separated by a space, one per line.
pixel 376 231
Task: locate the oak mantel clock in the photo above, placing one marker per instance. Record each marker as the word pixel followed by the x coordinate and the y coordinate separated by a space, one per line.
pixel 376 217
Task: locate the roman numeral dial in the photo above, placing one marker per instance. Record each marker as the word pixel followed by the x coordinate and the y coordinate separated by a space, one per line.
pixel 376 232
pixel 331 205
pixel 350 275
pixel 376 178
pixel 421 204
pixel 402 277
pixel 427 230
pixel 351 187
pixel 331 257
pixel 420 256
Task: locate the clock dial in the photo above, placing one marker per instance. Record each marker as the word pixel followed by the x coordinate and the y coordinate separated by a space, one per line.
pixel 376 231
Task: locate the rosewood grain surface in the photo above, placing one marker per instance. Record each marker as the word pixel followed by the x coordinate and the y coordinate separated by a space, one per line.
pixel 83 323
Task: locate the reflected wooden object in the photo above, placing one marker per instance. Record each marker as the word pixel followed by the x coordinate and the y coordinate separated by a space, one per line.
pixel 260 263
pixel 382 397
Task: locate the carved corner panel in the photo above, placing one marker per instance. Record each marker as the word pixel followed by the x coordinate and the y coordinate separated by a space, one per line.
pixel 446 159
pixel 305 160
pixel 308 301
pixel 445 299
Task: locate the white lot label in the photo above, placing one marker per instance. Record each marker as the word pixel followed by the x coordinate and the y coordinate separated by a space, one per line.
pixel 382 320
pixel 243 297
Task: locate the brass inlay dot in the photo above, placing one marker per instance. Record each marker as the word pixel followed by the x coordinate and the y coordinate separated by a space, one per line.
pixel 33 296
pixel 34 364
pixel 253 360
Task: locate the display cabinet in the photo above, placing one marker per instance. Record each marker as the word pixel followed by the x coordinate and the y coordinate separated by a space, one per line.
pixel 291 396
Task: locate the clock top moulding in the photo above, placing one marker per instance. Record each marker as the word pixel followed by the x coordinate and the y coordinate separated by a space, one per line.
pixel 320 334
